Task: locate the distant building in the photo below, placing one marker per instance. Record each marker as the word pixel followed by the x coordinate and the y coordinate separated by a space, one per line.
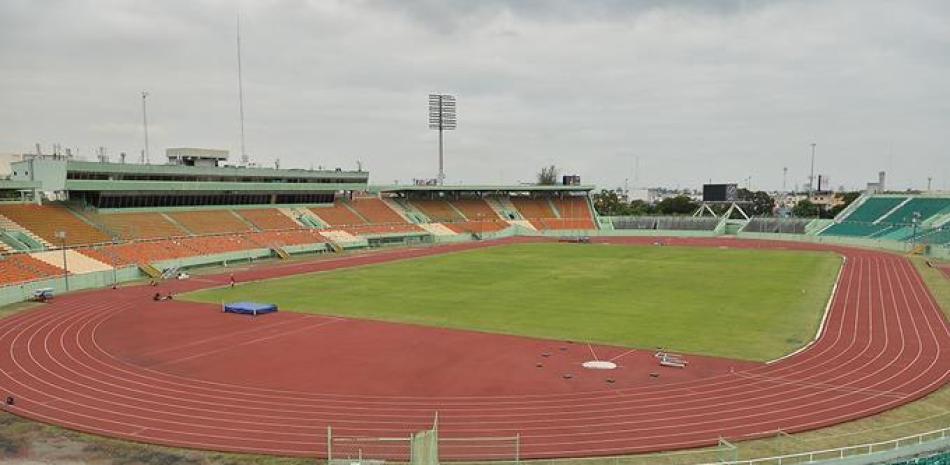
pixel 877 187
pixel 5 160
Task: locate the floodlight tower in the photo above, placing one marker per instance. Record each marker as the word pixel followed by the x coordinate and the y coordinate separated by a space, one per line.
pixel 145 126
pixel 442 117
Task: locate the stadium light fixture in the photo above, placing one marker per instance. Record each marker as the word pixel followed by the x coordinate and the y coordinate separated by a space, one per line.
pixel 442 116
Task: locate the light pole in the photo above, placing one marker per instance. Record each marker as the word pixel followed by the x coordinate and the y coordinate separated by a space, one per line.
pixel 442 116
pixel 145 124
pixel 115 277
pixel 62 242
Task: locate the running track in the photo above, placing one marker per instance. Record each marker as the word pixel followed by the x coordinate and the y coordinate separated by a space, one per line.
pixel 884 344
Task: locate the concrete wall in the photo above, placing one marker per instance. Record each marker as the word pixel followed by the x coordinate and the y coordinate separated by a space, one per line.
pixel 100 279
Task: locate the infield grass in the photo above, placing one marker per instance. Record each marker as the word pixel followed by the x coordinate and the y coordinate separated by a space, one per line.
pixel 743 304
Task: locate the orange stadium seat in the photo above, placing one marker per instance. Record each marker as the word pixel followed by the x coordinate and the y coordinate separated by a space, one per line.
pixel 22 268
pixel 206 245
pixel 475 209
pixel 338 215
pixel 272 239
pixel 268 219
pixel 382 229
pixel 438 211
pixel 376 211
pixel 562 223
pixel 139 253
pixel 479 227
pixel 533 208
pixel 46 220
pixel 138 225
pixel 574 207
pixel 210 221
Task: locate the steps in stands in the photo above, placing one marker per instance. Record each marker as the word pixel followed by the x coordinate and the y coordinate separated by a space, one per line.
pixel 245 221
pixel 437 229
pixel 10 225
pixel 150 270
pixel 76 262
pixel 281 253
pixel 398 209
pixel 504 208
pixel 307 218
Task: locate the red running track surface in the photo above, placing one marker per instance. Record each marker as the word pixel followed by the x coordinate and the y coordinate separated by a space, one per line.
pixel 113 362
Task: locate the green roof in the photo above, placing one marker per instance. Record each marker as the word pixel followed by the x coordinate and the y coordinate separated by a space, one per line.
pixel 132 168
pixel 192 186
pixel 483 188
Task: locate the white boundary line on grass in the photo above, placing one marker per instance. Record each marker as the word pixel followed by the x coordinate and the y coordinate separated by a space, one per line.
pixel 824 317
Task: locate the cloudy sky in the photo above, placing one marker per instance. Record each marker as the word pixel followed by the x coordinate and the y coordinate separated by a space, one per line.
pixel 694 90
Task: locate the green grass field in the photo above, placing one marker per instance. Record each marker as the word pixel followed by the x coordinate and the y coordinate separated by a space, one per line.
pixel 745 304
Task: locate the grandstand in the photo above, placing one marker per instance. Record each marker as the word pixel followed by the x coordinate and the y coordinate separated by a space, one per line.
pixel 140 215
pixel 192 209
pixel 905 218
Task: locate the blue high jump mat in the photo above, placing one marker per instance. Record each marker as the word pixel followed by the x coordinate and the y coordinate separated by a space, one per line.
pixel 249 308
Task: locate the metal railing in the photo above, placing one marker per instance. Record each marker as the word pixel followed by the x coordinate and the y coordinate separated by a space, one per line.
pixel 847 451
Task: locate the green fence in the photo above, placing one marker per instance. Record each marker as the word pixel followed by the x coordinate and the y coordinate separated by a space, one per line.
pixel 100 279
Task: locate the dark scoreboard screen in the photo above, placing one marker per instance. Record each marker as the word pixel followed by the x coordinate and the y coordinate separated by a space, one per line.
pixel 720 192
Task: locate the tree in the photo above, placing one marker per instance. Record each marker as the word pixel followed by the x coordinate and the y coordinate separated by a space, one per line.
pixel 805 209
pixel 848 198
pixel 762 203
pixel 679 205
pixel 548 175
pixel 608 203
pixel 640 207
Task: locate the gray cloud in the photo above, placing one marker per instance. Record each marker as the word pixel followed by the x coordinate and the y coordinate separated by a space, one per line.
pixel 696 90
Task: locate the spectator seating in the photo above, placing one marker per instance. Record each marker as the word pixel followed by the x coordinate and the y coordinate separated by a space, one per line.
pixel 873 208
pixel 575 208
pixel 475 210
pixel 140 253
pixel 46 220
pixel 533 208
pixel 271 239
pixel 138 225
pixel 210 221
pixel 22 268
pixel 76 262
pixel 337 214
pixel 777 225
pixel 477 227
pixel 439 211
pixel 891 218
pixel 374 229
pixel 268 219
pixel 561 223
pixel 676 223
pixel 376 211
pixel 925 206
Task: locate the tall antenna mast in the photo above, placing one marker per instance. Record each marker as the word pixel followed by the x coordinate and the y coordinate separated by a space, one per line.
pixel 244 159
pixel 145 127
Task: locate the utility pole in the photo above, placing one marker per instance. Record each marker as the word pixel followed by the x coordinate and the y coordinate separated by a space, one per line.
pixel 784 178
pixel 62 242
pixel 244 158
pixel 145 125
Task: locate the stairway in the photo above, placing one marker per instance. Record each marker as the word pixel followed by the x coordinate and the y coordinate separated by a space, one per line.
pixel 10 225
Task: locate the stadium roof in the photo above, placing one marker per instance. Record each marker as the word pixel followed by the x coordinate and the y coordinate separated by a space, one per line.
pixel 192 186
pixel 132 168
pixel 484 188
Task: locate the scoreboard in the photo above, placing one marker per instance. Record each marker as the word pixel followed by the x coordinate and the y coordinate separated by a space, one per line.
pixel 720 192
